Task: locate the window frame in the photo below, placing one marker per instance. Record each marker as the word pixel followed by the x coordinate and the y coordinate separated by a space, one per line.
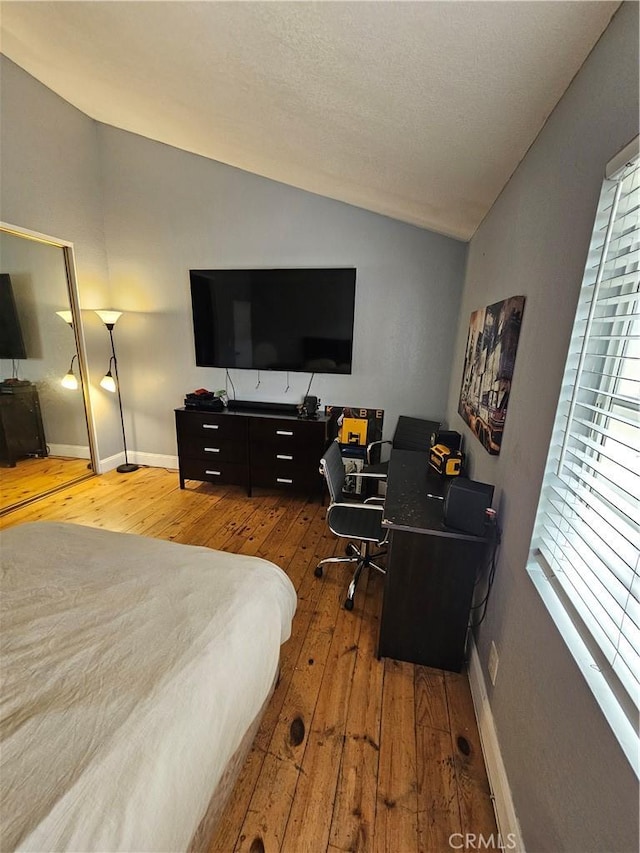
pixel 578 517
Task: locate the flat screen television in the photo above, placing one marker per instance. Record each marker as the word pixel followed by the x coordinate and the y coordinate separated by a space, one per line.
pixel 11 340
pixel 274 319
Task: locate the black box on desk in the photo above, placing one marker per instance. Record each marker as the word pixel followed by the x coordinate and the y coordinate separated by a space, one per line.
pixel 466 505
pixel 449 437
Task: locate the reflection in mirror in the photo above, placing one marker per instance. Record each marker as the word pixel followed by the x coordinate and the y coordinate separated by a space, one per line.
pixel 45 437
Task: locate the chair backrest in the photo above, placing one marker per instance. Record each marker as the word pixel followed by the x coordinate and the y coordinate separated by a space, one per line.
pixel 332 468
pixel 414 433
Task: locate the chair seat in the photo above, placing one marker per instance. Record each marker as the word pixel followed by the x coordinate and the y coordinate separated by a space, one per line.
pixel 356 522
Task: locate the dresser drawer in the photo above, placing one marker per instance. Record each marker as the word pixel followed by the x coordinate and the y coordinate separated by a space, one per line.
pixel 266 455
pixel 285 432
pixel 294 478
pixel 213 471
pixel 211 448
pixel 210 428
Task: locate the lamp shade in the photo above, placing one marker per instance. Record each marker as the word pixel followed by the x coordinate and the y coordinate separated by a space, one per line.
pixel 69 381
pixel 109 318
pixel 108 383
pixel 67 316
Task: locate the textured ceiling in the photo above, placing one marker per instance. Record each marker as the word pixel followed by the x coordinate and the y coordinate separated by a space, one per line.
pixel 417 110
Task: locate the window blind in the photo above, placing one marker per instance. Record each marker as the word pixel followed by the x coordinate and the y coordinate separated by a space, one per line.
pixel 587 532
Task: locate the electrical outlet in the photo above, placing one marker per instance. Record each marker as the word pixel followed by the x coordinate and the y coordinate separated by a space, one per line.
pixel 493 663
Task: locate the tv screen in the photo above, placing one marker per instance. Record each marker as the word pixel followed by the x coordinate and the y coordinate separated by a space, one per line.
pixel 11 342
pixel 288 319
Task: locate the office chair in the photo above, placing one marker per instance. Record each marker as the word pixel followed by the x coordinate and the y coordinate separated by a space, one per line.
pixel 359 521
pixel 410 434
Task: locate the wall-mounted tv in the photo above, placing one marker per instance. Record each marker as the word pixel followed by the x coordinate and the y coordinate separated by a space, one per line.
pixel 274 319
pixel 11 341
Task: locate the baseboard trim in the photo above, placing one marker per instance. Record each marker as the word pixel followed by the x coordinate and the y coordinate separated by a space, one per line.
pixel 154 460
pixel 74 451
pixel 506 818
pixel 151 460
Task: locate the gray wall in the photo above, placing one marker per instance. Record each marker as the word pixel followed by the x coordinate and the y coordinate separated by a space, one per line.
pixel 50 182
pixel 572 786
pixel 167 211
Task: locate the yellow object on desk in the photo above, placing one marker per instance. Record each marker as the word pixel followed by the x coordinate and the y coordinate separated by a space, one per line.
pixel 445 461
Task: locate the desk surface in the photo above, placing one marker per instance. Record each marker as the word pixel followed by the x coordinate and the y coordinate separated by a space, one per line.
pixel 406 505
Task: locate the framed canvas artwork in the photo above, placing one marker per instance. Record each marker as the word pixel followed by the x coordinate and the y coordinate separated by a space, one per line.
pixel 488 369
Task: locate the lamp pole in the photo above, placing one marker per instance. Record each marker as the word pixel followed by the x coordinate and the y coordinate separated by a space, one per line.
pixel 128 467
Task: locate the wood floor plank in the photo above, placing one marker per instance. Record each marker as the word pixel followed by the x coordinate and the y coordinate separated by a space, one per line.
pixel 354 811
pixel 270 806
pixel 308 827
pixel 396 826
pixel 251 540
pixel 185 507
pixel 476 805
pixel 218 527
pixel 306 557
pixel 86 503
pixel 302 531
pixel 33 477
pixel 438 803
pixel 431 698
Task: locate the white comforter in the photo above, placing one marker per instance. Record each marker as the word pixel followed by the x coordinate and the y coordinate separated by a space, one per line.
pixel 131 668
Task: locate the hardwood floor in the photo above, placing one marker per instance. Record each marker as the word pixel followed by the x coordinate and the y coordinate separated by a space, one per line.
pixel 353 754
pixel 35 476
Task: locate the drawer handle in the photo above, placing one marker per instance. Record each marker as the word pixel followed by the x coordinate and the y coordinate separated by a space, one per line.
pixel 210 426
pixel 283 480
pixel 284 456
pixel 284 432
pixel 212 449
pixel 215 473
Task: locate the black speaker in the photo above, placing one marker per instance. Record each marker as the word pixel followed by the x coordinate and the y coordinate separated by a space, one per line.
pixel 450 438
pixel 309 408
pixel 466 505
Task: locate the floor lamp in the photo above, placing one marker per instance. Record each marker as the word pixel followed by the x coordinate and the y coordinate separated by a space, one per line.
pixel 109 383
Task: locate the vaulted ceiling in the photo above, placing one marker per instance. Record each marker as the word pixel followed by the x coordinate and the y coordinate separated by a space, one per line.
pixel 417 110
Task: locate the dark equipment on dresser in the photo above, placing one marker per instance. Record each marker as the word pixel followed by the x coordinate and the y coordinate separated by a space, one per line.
pixel 203 400
pixel 309 408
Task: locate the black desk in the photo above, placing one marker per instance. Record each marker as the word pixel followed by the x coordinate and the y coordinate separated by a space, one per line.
pixel 431 570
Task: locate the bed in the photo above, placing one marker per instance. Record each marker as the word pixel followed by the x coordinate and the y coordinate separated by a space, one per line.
pixel 134 672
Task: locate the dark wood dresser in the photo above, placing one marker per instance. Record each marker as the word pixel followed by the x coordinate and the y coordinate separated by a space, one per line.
pixel 251 449
pixel 21 430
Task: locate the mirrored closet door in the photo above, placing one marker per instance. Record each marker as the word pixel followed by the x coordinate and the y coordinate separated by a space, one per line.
pixel 47 439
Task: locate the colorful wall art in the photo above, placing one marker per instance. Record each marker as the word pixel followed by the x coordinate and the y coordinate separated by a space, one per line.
pixel 488 368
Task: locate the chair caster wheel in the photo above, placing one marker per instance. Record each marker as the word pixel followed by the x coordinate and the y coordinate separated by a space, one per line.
pixel 348 605
pixel 350 550
pixel 318 571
